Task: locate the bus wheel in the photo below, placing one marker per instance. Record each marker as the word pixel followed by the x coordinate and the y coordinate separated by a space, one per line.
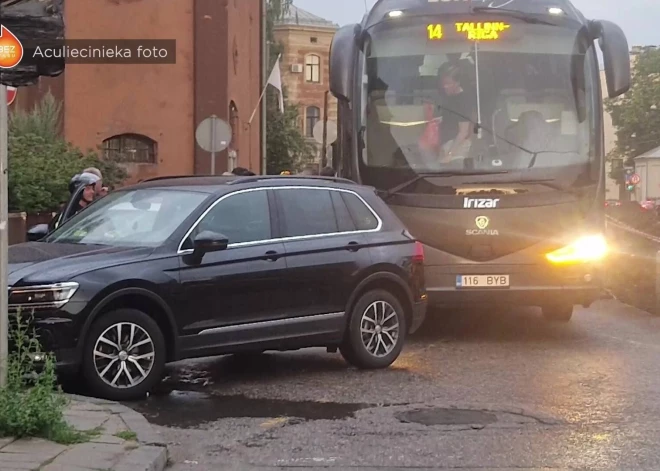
pixel 558 313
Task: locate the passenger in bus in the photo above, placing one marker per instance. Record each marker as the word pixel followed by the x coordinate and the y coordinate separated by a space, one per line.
pixel 458 112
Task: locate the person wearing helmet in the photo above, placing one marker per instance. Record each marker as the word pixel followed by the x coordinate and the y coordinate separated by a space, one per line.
pixel 89 181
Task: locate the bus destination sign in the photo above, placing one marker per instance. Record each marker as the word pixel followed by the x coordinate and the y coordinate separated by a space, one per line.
pixel 472 31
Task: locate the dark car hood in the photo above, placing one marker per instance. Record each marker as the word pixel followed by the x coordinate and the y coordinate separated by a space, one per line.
pixel 36 262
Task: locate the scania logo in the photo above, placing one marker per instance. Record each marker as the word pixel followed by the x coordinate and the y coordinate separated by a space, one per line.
pixel 480 203
pixel 482 223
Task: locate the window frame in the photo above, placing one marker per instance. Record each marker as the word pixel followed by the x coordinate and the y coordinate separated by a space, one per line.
pixel 112 153
pixel 309 130
pixel 311 67
pixel 275 217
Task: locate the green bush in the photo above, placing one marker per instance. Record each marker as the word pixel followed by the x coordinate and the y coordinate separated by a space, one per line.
pixel 41 163
pixel 31 404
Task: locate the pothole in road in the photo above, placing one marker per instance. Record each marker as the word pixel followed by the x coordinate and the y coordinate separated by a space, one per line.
pixel 442 416
pixel 186 409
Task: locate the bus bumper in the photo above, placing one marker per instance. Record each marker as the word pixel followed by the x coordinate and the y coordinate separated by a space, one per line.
pixel 528 286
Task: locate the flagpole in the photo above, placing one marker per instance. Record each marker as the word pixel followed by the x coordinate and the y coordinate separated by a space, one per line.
pixel 258 102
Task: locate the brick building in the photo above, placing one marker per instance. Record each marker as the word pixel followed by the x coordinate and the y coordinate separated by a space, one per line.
pixel 305 65
pixel 147 114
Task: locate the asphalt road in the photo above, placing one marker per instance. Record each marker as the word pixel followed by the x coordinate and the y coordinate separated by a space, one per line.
pixel 482 390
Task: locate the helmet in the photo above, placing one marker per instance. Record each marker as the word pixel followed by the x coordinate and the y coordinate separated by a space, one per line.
pixel 285 172
pixel 82 179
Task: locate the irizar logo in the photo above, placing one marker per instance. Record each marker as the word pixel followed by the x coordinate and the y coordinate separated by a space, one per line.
pixel 482 224
pixel 480 203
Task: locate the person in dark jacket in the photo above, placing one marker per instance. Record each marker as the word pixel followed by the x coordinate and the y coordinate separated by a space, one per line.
pixel 327 172
pixel 242 172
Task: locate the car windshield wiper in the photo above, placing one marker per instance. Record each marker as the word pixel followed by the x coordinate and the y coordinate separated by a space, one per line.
pixel 526 17
pixel 448 173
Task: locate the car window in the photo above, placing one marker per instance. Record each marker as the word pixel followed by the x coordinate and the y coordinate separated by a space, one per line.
pixel 362 216
pixel 307 212
pixel 344 220
pixel 243 217
pixel 142 217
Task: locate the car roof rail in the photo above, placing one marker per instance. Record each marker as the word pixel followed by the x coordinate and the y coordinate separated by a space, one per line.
pixel 258 178
pixel 173 177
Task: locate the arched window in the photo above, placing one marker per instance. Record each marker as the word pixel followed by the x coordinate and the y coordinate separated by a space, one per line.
pixel 313 68
pixel 130 148
pixel 312 116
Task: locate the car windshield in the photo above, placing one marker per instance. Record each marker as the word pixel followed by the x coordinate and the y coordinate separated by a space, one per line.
pixel 133 218
pixel 436 100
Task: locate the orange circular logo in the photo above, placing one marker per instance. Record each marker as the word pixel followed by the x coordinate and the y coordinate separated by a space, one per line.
pixel 11 49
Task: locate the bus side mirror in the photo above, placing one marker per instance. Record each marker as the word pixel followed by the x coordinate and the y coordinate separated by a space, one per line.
pixel 616 56
pixel 342 61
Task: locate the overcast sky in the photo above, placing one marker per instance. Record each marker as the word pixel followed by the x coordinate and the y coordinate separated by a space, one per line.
pixel 640 19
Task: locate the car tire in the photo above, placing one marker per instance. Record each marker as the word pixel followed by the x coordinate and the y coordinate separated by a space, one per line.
pixel 105 364
pixel 383 311
pixel 562 313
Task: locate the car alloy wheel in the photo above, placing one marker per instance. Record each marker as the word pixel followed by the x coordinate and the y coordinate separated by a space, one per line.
pixel 124 355
pixel 376 330
pixel 379 328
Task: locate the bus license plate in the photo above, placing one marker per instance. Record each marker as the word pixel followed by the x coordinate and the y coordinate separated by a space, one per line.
pixel 482 281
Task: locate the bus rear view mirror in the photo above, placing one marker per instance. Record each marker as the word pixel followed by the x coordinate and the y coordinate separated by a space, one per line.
pixel 616 56
pixel 342 59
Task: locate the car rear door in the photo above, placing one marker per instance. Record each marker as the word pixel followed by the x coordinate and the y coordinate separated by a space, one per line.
pixel 324 251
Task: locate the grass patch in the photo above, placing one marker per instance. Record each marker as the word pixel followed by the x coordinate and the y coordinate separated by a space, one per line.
pixel 32 404
pixel 126 435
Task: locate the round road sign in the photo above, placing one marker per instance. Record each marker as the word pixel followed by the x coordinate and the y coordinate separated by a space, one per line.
pixel 317 132
pixel 213 134
pixel 635 178
pixel 11 95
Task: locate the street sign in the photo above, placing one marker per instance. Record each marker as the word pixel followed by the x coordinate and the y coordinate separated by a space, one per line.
pixel 317 132
pixel 11 95
pixel 213 135
pixel 635 178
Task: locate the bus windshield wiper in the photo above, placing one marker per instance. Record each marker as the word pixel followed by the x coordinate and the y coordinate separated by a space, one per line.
pixel 526 17
pixel 448 173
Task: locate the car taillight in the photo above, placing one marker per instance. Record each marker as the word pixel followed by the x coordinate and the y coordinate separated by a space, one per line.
pixel 418 256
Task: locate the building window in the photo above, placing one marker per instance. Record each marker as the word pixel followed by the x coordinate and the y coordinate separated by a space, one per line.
pixel 313 68
pixel 312 116
pixel 313 40
pixel 130 148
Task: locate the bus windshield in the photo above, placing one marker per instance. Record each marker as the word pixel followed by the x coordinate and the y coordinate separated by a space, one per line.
pixel 500 95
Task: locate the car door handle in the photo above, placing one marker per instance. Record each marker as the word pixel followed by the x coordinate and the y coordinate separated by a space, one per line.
pixel 272 256
pixel 353 246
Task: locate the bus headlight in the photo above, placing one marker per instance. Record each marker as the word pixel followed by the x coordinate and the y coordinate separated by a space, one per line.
pixel 586 249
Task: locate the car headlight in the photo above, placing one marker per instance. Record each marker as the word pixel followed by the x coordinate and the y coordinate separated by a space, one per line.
pixel 43 296
pixel 586 249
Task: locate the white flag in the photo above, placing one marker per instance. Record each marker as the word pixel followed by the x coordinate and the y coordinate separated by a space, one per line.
pixel 275 80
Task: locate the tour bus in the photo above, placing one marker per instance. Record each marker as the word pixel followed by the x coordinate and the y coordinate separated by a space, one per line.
pixel 480 122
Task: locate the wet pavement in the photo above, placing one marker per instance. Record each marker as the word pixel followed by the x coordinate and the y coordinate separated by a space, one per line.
pixel 479 390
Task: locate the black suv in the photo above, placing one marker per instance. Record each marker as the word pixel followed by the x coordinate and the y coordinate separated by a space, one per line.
pixel 184 267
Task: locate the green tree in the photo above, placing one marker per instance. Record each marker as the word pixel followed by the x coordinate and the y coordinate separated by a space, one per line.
pixel 41 163
pixel 636 114
pixel 286 147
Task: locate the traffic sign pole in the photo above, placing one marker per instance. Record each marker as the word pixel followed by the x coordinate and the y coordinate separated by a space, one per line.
pixel 4 234
pixel 212 124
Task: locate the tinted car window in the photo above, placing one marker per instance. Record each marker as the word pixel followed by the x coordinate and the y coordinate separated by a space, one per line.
pixel 362 216
pixel 244 217
pixel 344 220
pixel 307 212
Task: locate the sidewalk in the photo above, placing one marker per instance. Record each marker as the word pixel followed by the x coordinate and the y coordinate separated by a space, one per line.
pixel 126 442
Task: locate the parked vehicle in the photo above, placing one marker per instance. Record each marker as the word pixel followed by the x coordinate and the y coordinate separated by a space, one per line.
pixel 195 266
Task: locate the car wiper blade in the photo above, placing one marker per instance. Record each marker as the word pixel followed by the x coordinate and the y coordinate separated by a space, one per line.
pixel 526 17
pixel 448 173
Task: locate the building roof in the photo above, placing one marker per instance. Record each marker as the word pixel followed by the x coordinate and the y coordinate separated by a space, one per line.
pixel 299 17
pixel 652 154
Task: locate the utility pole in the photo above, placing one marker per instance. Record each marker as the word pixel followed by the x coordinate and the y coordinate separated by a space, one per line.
pixel 265 56
pixel 4 236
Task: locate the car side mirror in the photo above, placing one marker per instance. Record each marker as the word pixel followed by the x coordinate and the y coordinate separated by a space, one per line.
pixel 37 232
pixel 208 241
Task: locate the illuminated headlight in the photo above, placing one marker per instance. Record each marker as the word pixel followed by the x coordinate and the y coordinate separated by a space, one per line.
pixel 395 13
pixel 42 296
pixel 586 249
